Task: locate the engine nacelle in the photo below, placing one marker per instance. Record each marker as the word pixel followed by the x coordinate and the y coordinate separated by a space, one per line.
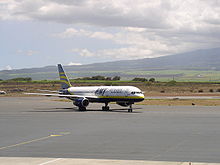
pixel 64 91
pixel 81 102
pixel 123 104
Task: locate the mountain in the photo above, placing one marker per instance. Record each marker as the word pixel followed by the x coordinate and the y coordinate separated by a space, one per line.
pixel 204 59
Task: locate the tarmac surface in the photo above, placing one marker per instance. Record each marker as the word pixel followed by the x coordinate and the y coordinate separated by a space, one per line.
pixel 32 127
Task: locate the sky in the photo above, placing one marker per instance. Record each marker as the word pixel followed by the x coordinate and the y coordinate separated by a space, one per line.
pixel 75 32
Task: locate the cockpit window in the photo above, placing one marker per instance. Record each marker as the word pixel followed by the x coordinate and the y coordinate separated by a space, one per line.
pixel 136 92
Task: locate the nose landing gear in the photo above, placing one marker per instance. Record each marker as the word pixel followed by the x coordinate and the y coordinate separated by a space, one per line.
pixel 130 108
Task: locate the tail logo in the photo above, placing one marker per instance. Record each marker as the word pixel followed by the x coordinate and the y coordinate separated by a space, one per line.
pixel 65 83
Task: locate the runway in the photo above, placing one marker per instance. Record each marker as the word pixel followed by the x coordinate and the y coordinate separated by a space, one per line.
pixel 32 127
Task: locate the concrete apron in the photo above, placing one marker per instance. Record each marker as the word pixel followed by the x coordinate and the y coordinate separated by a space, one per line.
pixel 71 161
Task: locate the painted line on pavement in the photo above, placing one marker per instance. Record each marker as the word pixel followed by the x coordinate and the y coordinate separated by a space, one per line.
pixel 34 140
pixel 50 161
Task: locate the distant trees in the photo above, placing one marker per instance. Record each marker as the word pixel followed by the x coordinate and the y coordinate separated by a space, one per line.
pixel 143 79
pixel 139 79
pixel 108 78
pixel 98 78
pixel 21 79
pixel 152 79
pixel 116 78
pixel 171 83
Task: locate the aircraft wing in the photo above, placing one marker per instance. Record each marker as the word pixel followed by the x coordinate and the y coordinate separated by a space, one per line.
pixel 62 95
pixel 44 90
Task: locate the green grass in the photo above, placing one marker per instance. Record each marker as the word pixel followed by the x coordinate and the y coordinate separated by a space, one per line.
pixel 179 75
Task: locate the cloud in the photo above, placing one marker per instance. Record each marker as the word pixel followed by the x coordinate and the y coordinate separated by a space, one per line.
pixel 26 52
pixel 117 54
pixel 135 29
pixel 140 43
pixel 74 63
pixel 160 14
pixel 83 52
pixel 71 32
pixel 8 67
pixel 142 28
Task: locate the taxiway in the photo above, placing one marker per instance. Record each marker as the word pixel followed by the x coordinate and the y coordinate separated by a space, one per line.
pixel 40 127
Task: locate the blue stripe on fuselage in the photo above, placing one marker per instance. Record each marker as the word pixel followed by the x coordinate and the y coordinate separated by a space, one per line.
pixel 103 100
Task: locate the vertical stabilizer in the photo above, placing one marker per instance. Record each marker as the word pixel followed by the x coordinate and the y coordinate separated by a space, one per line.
pixel 65 83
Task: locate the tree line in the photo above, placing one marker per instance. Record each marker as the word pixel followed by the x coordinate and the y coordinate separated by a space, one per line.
pixel 115 78
pixel 19 79
pixel 143 79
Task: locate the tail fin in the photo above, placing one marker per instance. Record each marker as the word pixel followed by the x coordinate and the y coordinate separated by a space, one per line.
pixel 65 83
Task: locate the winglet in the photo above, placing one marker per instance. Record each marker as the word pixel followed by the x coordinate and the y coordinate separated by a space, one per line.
pixel 65 83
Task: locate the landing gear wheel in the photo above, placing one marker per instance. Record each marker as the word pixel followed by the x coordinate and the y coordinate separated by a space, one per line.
pixel 130 108
pixel 105 108
pixel 82 108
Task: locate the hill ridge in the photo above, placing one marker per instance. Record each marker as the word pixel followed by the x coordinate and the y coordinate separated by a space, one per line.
pixel 203 59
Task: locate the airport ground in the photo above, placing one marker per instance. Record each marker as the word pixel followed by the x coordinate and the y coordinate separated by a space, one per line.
pixel 184 88
pixel 155 93
pixel 39 130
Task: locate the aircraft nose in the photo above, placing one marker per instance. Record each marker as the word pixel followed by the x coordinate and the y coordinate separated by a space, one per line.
pixel 141 96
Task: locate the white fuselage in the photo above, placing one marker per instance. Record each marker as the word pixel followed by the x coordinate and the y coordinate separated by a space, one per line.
pixel 111 93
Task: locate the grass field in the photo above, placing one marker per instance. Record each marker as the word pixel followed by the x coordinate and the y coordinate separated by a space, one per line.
pixel 151 89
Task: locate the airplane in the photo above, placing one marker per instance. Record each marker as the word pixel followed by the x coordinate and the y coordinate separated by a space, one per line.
pixel 82 96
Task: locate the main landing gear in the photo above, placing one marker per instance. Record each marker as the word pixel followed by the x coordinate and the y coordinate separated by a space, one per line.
pixel 130 108
pixel 106 107
pixel 81 108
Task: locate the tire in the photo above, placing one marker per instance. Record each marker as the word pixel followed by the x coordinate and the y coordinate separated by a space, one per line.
pixel 82 108
pixel 104 108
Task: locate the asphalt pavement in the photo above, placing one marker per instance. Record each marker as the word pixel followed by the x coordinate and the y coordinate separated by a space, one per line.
pixel 32 127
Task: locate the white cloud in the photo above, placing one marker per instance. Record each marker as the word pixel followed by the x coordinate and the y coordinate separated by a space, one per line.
pixel 68 33
pixel 126 53
pixel 26 52
pixel 71 32
pixel 117 54
pixel 83 52
pixel 74 63
pixel 101 35
pixel 140 43
pixel 135 29
pixel 141 28
pixel 161 14
pixel 8 67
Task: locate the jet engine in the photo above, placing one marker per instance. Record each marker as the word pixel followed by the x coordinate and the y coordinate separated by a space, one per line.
pixel 64 91
pixel 123 104
pixel 81 102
